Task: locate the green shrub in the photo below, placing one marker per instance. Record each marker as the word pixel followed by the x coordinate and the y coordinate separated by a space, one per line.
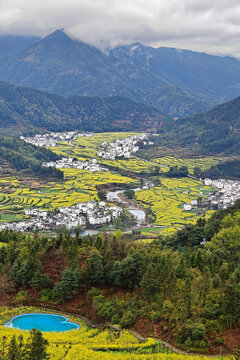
pixel 198 332
pixel 127 319
pixel 219 340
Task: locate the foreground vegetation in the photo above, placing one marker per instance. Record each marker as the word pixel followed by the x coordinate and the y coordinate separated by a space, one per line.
pixel 85 343
pixel 174 284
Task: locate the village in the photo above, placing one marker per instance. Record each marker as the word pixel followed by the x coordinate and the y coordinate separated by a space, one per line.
pixel 73 163
pixel 50 139
pixel 122 148
pixel 86 215
pixel 224 194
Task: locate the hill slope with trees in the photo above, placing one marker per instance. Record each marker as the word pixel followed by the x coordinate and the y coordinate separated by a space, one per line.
pixel 174 285
pixel 212 132
pixel 27 158
pixel 24 109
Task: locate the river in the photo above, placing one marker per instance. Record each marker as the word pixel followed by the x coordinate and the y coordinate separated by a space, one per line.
pixel 113 196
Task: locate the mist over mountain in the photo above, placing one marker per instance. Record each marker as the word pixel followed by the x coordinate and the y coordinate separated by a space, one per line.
pixel 214 78
pixel 67 67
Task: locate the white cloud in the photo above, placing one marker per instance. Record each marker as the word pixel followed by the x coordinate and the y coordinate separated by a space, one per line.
pixel 202 25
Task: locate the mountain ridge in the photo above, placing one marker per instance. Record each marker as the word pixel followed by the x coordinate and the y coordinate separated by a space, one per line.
pixel 195 72
pixel 25 109
pixel 214 131
pixel 61 65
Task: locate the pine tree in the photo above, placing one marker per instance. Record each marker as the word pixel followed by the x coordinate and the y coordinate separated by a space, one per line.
pixel 37 347
pixel 13 350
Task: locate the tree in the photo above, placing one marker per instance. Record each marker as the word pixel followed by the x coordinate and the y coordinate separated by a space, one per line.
pixel 68 285
pixel 37 346
pixel 150 282
pixel 13 350
pixel 197 172
pixel 95 270
pixel 102 195
pixel 129 193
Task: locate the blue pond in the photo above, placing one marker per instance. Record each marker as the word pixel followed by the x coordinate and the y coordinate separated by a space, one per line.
pixel 43 322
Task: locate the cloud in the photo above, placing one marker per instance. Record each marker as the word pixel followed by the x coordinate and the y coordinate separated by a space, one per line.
pixel 210 26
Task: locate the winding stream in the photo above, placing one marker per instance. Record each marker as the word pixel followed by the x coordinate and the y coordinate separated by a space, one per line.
pixel 139 214
pixel 113 196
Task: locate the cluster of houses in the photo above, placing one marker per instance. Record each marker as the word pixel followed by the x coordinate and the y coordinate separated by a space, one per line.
pixel 224 194
pixel 73 163
pixel 122 148
pixel 87 215
pixel 50 139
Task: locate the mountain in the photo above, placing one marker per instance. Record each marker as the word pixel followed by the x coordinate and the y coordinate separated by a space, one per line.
pixel 26 109
pixel 214 78
pixel 214 131
pixel 12 44
pixel 67 67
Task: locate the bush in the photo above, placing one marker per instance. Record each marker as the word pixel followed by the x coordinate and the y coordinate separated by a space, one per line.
pixel 198 332
pixel 192 332
pixel 127 319
pixel 93 292
pixel 47 295
pixel 219 340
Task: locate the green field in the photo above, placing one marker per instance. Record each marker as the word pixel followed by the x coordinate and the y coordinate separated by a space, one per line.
pixel 78 186
pixel 203 163
pixel 166 201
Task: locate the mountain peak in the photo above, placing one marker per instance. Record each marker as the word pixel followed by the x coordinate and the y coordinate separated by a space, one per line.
pixel 58 35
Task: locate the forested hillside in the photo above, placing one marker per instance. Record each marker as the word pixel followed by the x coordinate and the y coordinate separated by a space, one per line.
pixel 27 158
pixel 211 132
pixel 175 285
pixel 227 169
pixel 25 109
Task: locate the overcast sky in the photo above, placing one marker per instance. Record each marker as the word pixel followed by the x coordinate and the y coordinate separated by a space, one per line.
pixel 211 26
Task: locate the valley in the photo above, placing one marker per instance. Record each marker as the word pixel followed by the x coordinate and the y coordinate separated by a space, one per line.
pixel 119 180
pixel 158 210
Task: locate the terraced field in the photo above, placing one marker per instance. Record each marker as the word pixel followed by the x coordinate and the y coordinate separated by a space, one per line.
pixel 203 163
pixel 78 186
pixel 166 201
pixel 93 344
pixel 85 148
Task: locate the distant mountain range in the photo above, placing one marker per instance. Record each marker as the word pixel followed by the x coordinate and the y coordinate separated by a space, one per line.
pixel 10 45
pixel 213 78
pixel 67 67
pixel 178 82
pixel 23 110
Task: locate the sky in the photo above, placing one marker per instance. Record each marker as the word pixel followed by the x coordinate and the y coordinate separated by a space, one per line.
pixel 212 26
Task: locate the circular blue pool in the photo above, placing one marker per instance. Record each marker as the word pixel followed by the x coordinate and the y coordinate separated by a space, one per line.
pixel 43 322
